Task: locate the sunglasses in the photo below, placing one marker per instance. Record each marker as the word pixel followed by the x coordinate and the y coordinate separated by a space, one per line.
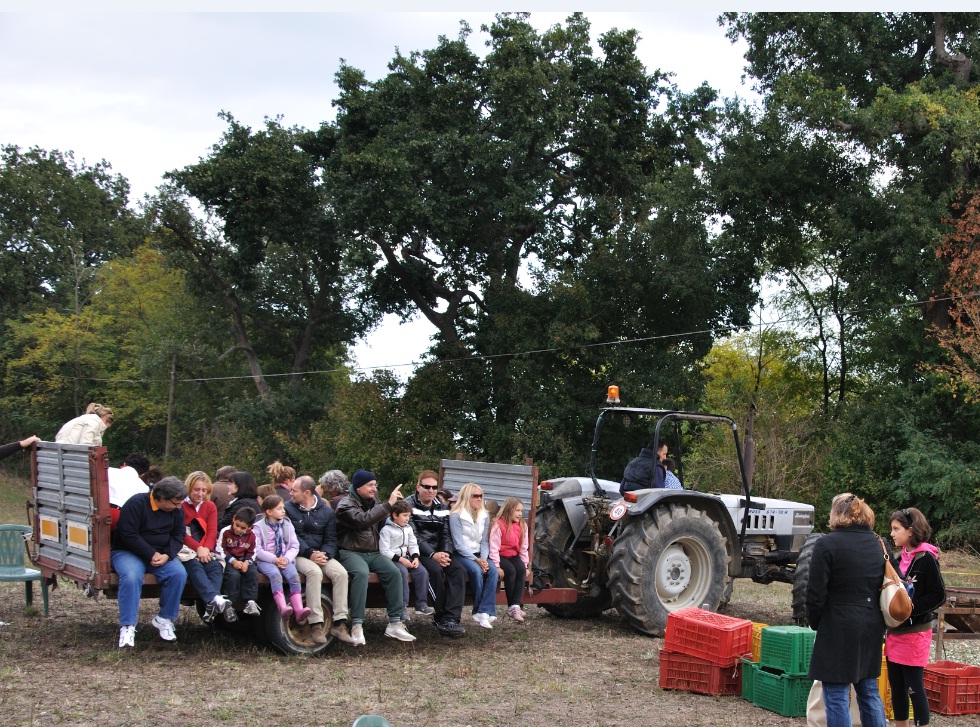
pixel 428 487
pixel 477 497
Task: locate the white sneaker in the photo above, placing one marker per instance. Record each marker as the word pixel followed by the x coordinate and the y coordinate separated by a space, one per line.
pixel 405 617
pixel 397 631
pixel 357 634
pixel 165 626
pixel 252 608
pixel 483 619
pixel 491 617
pixel 127 637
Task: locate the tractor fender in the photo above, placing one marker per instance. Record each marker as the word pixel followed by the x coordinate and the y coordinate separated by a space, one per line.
pixel 710 504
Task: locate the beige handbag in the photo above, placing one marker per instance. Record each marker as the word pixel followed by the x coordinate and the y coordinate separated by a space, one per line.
pixel 816 715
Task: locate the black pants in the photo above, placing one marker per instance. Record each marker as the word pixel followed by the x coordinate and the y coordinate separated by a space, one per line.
pixel 514 574
pixel 449 586
pixel 906 681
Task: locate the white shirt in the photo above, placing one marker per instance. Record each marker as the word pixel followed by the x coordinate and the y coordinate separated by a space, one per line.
pixel 124 482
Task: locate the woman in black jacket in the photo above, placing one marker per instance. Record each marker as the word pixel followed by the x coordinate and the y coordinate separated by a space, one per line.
pixel 907 647
pixel 244 493
pixel 846 572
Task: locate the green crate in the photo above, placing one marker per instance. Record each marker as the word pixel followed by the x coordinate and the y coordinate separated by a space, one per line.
pixel 780 693
pixel 787 648
pixel 748 671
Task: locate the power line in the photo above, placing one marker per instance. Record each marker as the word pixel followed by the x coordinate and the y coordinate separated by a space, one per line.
pixel 531 352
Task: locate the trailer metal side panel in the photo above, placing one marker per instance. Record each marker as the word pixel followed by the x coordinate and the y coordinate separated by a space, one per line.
pixel 71 512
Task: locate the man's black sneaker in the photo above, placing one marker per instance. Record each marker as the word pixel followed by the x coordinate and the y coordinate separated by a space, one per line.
pixel 450 627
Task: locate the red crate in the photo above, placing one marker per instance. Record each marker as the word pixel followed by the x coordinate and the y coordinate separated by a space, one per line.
pixel 719 639
pixel 952 688
pixel 691 674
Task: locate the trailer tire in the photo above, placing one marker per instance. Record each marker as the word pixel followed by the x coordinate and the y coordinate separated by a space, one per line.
pixel 290 638
pixel 668 558
pixel 553 535
pixel 802 577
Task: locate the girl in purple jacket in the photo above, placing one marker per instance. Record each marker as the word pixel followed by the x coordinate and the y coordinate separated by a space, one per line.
pixel 276 547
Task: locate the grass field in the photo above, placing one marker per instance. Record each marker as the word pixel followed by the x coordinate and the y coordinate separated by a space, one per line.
pixel 66 669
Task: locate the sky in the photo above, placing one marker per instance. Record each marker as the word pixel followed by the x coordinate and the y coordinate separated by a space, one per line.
pixel 142 90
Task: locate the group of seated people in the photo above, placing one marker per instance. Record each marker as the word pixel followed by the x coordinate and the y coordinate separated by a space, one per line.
pixel 221 534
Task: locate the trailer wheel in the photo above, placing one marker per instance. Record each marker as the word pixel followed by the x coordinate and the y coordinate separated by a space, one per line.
pixel 666 559
pixel 554 554
pixel 801 577
pixel 290 638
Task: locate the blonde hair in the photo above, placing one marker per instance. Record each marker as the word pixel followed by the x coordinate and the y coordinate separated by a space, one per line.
pixel 192 479
pixel 847 509
pixel 465 495
pixel 103 412
pixel 280 473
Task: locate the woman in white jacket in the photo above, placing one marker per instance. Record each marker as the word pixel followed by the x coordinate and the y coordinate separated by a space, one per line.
pixel 86 429
pixel 469 525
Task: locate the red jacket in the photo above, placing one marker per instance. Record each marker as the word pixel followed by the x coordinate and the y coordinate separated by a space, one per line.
pixel 207 520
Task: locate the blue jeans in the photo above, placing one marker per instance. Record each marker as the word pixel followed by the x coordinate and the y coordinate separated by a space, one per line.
pixel 205 577
pixel 131 569
pixel 837 698
pixel 484 585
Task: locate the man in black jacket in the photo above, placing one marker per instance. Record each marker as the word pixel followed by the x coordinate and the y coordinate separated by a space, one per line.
pixel 316 530
pixel 430 520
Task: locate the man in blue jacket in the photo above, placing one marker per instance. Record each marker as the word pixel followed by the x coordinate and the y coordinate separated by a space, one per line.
pixel 316 530
pixel 148 536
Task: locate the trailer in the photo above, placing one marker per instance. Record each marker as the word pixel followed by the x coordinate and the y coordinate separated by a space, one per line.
pixel 69 513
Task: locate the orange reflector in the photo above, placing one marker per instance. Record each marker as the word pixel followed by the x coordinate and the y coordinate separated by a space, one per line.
pixel 630 497
pixel 612 395
pixel 546 485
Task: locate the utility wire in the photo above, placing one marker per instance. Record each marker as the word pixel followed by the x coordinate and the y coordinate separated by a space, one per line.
pixel 728 330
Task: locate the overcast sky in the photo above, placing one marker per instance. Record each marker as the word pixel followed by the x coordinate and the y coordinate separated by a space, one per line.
pixel 142 90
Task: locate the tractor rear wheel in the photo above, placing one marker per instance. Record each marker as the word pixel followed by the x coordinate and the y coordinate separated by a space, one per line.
pixel 668 558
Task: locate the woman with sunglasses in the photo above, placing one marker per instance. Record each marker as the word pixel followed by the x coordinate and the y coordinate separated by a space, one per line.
pixel 469 524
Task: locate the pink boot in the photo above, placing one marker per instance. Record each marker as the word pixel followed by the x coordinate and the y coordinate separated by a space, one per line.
pixel 299 610
pixel 284 610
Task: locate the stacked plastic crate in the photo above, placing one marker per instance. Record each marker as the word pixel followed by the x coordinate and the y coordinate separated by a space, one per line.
pixel 779 682
pixel 702 652
pixel 952 688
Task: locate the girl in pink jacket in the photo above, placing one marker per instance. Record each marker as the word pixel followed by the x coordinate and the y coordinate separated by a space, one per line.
pixel 276 548
pixel 508 551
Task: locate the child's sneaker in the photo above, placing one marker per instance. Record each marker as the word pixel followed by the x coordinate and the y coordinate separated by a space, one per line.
pixel 165 626
pixel 252 608
pixel 127 637
pixel 424 610
pixel 227 609
pixel 516 613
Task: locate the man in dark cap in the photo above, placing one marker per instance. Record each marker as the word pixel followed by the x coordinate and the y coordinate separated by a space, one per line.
pixel 359 520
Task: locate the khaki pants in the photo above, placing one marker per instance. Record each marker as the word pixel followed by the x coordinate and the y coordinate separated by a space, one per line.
pixel 314 574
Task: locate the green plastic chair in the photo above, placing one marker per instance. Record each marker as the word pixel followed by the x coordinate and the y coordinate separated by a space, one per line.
pixel 12 569
pixel 371 720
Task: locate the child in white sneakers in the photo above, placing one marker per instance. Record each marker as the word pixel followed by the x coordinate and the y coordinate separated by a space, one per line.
pixel 508 551
pixel 398 543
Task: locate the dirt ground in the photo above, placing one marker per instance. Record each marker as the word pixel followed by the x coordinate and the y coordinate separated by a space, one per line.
pixel 67 670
